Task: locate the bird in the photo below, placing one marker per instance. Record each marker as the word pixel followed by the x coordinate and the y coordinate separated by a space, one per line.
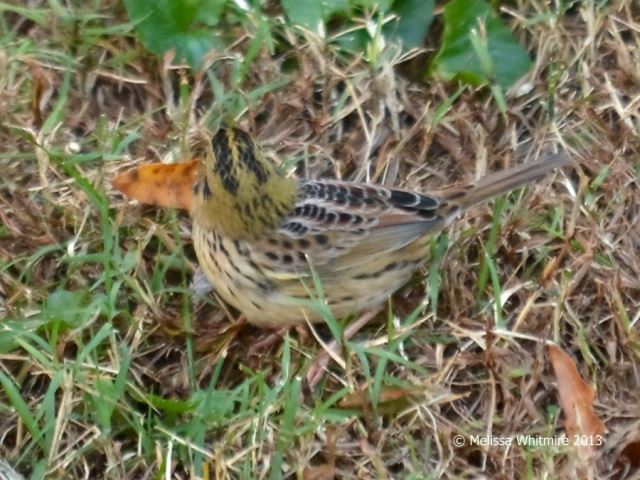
pixel 284 251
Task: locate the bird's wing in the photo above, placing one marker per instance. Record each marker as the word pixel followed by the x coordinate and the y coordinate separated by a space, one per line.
pixel 338 225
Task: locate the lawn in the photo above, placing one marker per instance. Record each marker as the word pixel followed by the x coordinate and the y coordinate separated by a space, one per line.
pixel 112 367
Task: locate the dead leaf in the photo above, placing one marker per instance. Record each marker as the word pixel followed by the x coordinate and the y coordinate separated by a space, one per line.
pixel 576 396
pixel 628 459
pixel 41 91
pixel 361 398
pixel 165 185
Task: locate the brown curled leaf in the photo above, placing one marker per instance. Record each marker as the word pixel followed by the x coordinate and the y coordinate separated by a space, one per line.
pixel 165 185
pixel 576 396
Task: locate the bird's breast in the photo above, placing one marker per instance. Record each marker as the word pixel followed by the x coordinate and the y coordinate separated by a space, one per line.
pixel 228 266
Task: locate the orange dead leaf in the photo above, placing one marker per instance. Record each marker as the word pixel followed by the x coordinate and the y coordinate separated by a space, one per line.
pixel 165 185
pixel 576 396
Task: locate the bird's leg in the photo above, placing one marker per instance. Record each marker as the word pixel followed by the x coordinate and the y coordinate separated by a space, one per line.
pixel 267 342
pixel 322 359
pixel 275 336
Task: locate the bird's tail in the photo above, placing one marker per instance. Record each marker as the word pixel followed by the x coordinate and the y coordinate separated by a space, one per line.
pixel 506 180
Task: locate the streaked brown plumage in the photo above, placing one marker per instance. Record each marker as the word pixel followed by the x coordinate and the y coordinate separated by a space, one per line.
pixel 260 237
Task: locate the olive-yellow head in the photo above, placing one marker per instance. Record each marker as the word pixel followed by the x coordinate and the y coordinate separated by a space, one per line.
pixel 238 192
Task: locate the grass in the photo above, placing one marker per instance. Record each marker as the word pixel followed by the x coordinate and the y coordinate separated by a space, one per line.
pixel 111 369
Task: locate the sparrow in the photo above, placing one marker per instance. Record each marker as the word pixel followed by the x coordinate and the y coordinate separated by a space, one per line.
pixel 285 251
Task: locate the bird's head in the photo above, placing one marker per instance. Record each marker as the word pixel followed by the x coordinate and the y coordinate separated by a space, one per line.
pixel 238 191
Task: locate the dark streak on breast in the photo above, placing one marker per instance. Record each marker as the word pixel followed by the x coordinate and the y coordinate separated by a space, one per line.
pixel 255 266
pixel 241 248
pixel 224 251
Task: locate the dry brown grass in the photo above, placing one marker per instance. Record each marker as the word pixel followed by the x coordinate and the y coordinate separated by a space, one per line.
pixel 566 257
